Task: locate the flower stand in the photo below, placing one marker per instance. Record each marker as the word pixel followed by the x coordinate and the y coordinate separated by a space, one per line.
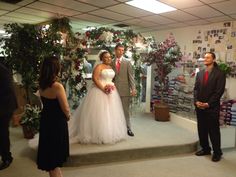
pixel 162 112
pixel 28 132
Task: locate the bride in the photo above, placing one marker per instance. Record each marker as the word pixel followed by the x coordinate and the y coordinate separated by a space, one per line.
pixel 100 117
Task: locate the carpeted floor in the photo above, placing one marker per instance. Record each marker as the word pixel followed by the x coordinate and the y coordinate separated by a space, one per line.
pixel 148 133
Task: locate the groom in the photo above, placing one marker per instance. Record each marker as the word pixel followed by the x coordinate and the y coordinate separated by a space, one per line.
pixel 124 82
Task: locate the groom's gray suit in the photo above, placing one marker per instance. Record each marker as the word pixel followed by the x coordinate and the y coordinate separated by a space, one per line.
pixel 124 82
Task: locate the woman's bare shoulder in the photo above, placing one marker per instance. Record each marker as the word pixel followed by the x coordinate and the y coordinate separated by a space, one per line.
pixel 57 86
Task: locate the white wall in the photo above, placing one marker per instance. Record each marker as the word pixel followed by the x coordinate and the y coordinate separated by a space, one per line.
pixel 231 86
pixel 185 37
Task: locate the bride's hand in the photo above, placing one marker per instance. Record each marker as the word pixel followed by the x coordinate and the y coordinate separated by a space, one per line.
pixel 68 117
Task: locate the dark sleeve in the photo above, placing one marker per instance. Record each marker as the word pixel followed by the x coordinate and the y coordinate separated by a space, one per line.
pixel 8 99
pixel 196 88
pixel 219 89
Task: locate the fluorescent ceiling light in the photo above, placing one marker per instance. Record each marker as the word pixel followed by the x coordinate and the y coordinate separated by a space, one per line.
pixel 151 6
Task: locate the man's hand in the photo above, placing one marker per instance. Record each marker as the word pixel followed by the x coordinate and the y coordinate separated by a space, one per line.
pixel 201 105
pixel 133 92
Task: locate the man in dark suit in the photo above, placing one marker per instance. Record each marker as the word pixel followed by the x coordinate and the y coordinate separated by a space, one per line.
pixel 8 105
pixel 208 89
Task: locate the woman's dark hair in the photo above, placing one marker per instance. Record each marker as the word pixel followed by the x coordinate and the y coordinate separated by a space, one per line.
pixel 49 71
pixel 102 54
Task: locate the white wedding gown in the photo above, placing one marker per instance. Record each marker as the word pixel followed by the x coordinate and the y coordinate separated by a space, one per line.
pixel 100 117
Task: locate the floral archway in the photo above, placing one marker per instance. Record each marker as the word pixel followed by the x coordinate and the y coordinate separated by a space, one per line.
pixel 78 46
pixel 57 37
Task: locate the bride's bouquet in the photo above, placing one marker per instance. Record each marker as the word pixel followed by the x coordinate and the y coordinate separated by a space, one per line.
pixel 109 88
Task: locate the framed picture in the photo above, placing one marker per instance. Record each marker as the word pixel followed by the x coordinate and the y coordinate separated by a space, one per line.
pixel 227 24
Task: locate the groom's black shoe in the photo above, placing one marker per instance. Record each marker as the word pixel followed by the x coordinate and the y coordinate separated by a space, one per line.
pixel 5 164
pixel 130 133
pixel 202 153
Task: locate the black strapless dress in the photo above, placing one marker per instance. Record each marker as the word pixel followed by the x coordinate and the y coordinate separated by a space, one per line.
pixel 53 148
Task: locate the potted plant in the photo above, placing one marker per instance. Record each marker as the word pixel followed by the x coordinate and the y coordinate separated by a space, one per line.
pixel 164 57
pixel 30 120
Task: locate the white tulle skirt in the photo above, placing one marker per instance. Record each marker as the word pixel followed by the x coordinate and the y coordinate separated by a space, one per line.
pixel 99 119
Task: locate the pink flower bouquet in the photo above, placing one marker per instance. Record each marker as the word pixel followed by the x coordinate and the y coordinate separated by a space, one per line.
pixel 109 88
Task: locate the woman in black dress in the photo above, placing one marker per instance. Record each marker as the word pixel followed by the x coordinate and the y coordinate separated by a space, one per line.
pixel 53 148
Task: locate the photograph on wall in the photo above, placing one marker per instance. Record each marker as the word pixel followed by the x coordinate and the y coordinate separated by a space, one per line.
pixel 217 41
pixel 229 47
pixel 233 34
pixel 212 49
pixel 227 24
pixel 221 37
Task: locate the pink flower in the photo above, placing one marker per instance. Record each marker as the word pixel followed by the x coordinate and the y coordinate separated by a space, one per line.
pixel 109 88
pixel 87 33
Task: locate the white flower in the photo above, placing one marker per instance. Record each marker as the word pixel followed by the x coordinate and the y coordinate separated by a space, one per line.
pixel 78 86
pixel 81 66
pixel 106 36
pixel 74 73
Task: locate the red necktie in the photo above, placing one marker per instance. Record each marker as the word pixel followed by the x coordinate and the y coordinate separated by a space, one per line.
pixel 205 78
pixel 118 65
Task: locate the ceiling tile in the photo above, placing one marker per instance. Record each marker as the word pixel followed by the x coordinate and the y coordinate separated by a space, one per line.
pixel 129 10
pixel 179 16
pixel 71 4
pixel 3 20
pixel 212 1
pixel 181 4
pixel 3 12
pixel 203 12
pixel 139 22
pixel 7 6
pixel 25 2
pixel 103 3
pixel 146 23
pixel 134 21
pixel 123 0
pixel 160 27
pixel 227 7
pixel 233 16
pixel 110 15
pixel 158 19
pixel 177 25
pixel 93 18
pixel 39 13
pixel 75 21
pixel 17 20
pixel 144 30
pixel 198 22
pixel 26 16
pixel 219 19
pixel 51 8
pixel 109 12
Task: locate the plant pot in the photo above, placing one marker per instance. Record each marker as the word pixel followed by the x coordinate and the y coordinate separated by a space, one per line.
pixel 28 132
pixel 162 112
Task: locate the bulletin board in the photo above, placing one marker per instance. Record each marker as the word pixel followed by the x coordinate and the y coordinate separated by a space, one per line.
pixel 220 39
